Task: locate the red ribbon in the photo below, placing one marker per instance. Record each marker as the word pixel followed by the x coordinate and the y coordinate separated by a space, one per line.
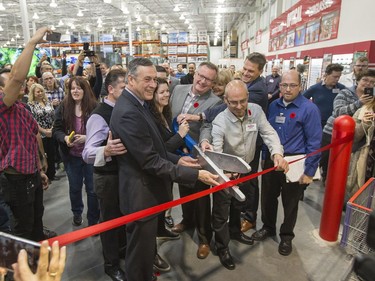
pixel 81 234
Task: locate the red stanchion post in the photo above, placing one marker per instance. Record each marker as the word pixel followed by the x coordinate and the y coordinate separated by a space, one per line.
pixel 338 167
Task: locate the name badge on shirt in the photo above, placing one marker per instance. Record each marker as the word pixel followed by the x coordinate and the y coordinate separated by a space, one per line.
pixel 335 91
pixel 251 127
pixel 280 119
pixel 271 80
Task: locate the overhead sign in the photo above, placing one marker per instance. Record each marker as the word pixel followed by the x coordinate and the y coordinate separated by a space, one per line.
pixel 308 21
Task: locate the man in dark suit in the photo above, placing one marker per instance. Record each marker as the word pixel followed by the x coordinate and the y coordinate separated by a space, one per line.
pixel 147 170
pixel 194 99
pixel 188 78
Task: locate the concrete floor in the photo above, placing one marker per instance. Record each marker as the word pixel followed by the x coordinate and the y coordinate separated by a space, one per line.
pixel 311 259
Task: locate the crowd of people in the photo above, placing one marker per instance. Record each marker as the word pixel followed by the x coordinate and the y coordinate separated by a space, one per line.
pixel 112 128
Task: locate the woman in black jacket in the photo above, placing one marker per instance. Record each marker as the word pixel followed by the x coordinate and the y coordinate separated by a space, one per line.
pixel 160 109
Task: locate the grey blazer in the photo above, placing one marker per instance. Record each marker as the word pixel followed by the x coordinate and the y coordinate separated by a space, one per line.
pixel 173 83
pixel 205 101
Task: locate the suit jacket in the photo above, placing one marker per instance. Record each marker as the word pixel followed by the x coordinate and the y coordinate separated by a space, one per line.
pixel 205 101
pixel 145 171
pixel 258 92
pixel 173 82
pixel 187 79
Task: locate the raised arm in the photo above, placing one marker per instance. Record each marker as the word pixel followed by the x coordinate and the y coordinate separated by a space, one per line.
pixel 21 68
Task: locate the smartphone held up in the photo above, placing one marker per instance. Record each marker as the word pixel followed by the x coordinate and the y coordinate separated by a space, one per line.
pixel 53 37
pixel 10 247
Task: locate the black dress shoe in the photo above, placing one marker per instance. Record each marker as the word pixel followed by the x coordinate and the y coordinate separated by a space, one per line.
pixel 169 221
pixel 285 247
pixel 226 259
pixel 115 273
pixel 160 264
pixel 262 234
pixel 166 234
pixel 243 238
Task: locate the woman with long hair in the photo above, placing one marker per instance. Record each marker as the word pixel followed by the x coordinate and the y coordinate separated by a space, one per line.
pixel 30 80
pixel 44 114
pixel 160 109
pixel 70 131
pixel 362 162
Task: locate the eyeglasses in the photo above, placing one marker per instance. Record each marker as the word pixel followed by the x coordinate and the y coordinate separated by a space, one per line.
pixel 202 77
pixel 290 86
pixel 368 81
pixel 236 103
pixel 48 78
pixel 361 65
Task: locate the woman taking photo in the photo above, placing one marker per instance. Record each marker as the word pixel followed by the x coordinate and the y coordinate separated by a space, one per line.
pixel 362 161
pixel 44 114
pixel 70 131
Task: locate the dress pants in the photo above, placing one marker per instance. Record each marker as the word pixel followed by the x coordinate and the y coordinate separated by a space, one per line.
pixel 324 158
pixel 274 184
pixel 106 188
pixel 50 150
pixel 140 249
pixel 197 212
pixel 24 195
pixel 224 206
pixel 251 189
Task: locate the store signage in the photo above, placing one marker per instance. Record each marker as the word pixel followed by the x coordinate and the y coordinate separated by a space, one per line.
pixel 245 45
pixel 306 22
pixel 258 38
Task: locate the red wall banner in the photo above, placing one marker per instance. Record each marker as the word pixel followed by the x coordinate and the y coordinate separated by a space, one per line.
pixel 308 21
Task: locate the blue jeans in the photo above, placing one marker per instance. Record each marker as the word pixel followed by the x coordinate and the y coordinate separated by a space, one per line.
pixel 78 173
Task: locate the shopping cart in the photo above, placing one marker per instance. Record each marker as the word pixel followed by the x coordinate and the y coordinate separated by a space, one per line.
pixel 358 210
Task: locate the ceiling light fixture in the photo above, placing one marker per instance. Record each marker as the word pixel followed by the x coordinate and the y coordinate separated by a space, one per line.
pixel 20 46
pixel 113 30
pixel 53 4
pixel 127 24
pixel 107 1
pixel 52 28
pixel 125 11
pixel 18 35
pixel 182 17
pixel 1 28
pixel 2 8
pixel 100 25
pixel 186 21
pixel 67 32
pixel 8 42
pixel 139 19
pixel 73 27
pixel 221 1
pixel 12 40
pixel 176 9
pixel 60 23
pixel 35 16
pixel 79 14
pixel 190 27
pixel 163 28
pixel 138 28
pixel 99 21
pixel 88 28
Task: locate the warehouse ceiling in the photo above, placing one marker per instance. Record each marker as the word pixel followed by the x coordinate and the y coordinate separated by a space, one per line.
pixel 214 16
